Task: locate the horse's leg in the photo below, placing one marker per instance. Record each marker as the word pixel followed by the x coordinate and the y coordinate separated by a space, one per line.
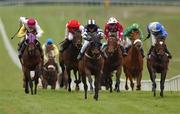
pixel 85 85
pixel 139 81
pixel 96 82
pixel 62 78
pixel 131 82
pixel 90 80
pixel 153 76
pixel 26 85
pixel 110 82
pixel 69 79
pixel 36 83
pixel 163 77
pixel 76 80
pixel 31 85
pixel 118 74
pixel 126 85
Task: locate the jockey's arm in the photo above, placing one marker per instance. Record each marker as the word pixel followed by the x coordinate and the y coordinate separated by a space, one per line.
pixel 149 33
pixel 39 31
pixel 22 32
pixel 56 51
pixel 23 20
pixel 66 32
pixel 44 52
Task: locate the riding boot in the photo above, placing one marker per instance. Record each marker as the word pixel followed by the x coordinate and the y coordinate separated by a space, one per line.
pixel 169 54
pixel 149 52
pixel 142 52
pixel 64 45
pixel 40 49
pixel 103 51
pixel 124 50
pixel 79 56
pixel 21 48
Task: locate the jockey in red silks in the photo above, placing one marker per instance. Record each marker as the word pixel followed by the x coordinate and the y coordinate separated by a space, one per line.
pixel 114 28
pixel 71 27
pixel 29 25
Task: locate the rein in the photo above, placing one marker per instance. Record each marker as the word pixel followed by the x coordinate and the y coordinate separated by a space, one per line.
pixel 88 56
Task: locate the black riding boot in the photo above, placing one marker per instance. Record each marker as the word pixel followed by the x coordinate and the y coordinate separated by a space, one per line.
pixel 142 52
pixel 21 48
pixel 64 45
pixel 149 52
pixel 169 54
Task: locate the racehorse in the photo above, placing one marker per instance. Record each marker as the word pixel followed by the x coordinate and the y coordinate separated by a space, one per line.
pixel 92 64
pixel 113 62
pixel 158 63
pixel 68 60
pixel 133 62
pixel 31 63
pixel 50 72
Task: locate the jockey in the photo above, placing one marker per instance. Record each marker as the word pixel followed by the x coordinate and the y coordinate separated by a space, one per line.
pixel 128 36
pixel 91 27
pixel 154 30
pixel 50 46
pixel 71 27
pixel 28 25
pixel 113 27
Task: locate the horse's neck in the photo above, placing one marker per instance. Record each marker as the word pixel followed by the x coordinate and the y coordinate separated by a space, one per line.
pixel 134 55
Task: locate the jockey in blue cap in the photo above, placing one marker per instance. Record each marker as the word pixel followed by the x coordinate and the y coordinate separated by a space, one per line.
pixel 156 29
pixel 50 46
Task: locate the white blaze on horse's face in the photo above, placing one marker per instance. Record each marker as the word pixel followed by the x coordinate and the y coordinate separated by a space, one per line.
pixel 161 42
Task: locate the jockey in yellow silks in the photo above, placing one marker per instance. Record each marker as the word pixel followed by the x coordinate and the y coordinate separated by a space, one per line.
pixel 48 47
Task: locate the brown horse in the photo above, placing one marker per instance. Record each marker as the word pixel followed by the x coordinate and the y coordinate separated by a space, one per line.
pixel 31 63
pixel 50 72
pixel 158 63
pixel 68 60
pixel 92 64
pixel 133 62
pixel 113 62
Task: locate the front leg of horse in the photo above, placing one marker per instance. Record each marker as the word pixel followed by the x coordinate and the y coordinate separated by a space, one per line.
pixel 31 86
pixel 85 86
pixel 131 82
pixel 163 77
pixel 69 80
pixel 76 81
pixel 97 82
pixel 118 74
pixel 90 83
pixel 110 83
pixel 126 85
pixel 36 83
pixel 139 81
pixel 26 86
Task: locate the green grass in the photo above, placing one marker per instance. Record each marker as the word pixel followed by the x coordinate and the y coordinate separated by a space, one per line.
pixel 62 102
pixel 52 20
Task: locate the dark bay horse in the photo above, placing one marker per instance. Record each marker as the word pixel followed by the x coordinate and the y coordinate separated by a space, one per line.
pixel 158 63
pixel 31 63
pixel 68 60
pixel 133 63
pixel 50 72
pixel 92 64
pixel 113 62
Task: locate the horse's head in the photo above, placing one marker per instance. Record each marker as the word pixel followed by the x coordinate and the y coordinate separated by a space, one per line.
pixel 135 35
pixel 112 45
pixel 77 40
pixel 31 42
pixel 95 46
pixel 160 47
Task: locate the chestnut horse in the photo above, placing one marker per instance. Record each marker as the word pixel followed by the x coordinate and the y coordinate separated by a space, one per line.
pixel 113 62
pixel 68 60
pixel 31 63
pixel 133 62
pixel 158 63
pixel 92 64
pixel 50 72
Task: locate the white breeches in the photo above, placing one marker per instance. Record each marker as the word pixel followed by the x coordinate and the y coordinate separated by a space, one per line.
pixel 153 40
pixel 70 36
pixel 127 42
pixel 85 45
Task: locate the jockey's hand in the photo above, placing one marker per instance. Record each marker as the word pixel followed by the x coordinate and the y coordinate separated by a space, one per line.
pixel 148 35
pixel 119 41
